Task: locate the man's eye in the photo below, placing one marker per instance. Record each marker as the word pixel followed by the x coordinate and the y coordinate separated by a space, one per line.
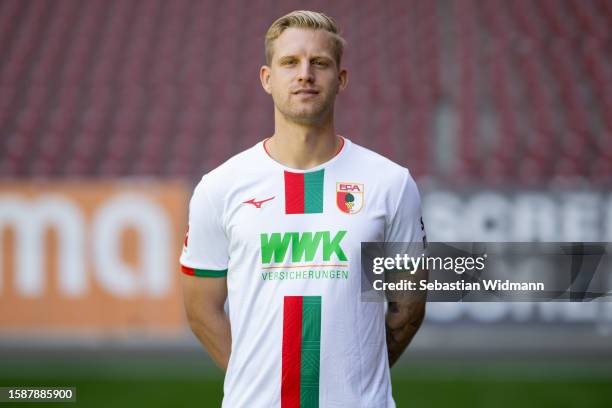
pixel 321 63
pixel 289 62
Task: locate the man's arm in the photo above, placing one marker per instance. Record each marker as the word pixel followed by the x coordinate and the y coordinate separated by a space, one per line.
pixel 404 317
pixel 402 322
pixel 204 300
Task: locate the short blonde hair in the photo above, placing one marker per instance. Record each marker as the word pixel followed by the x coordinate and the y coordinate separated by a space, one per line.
pixel 305 19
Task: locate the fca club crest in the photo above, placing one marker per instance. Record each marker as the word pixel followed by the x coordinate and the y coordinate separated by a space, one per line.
pixel 349 197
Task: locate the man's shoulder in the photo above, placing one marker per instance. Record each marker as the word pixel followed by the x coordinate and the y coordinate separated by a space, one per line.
pixel 218 179
pixel 240 162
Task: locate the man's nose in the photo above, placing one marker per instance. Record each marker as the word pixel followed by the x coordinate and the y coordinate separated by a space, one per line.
pixel 305 73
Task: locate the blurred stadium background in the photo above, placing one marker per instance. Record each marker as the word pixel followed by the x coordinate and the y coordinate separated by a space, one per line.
pixel 110 112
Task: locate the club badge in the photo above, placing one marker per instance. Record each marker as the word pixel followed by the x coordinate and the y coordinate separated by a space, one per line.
pixel 349 197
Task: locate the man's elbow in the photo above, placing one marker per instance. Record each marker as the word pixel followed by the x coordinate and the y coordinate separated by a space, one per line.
pixel 203 316
pixel 195 320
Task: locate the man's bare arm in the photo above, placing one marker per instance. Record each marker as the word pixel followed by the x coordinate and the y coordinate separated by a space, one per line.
pixel 404 317
pixel 402 322
pixel 204 300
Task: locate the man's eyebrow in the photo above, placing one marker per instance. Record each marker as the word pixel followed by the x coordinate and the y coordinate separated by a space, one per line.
pixel 321 57
pixel 315 57
pixel 287 57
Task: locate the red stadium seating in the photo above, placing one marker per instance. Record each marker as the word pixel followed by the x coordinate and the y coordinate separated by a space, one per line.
pixel 515 92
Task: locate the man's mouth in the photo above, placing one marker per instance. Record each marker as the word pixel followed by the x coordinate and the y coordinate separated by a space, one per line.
pixel 306 92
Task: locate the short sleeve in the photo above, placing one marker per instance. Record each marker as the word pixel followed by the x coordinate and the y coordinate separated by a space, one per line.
pixel 205 250
pixel 406 224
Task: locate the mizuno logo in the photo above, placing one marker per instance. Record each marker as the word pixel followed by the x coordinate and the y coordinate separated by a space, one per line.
pixel 258 204
pixel 304 246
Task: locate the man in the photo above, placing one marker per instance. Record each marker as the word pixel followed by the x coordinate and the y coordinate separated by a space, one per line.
pixel 277 230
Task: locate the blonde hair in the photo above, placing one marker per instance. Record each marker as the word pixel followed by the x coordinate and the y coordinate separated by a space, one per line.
pixel 304 19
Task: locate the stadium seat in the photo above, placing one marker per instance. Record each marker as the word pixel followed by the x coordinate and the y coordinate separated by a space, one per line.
pixel 170 88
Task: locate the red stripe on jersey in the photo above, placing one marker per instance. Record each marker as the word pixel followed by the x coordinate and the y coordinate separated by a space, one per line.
pixel 188 271
pixel 292 352
pixel 294 193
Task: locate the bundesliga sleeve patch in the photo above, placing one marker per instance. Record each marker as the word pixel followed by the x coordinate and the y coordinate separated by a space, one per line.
pixel 349 197
pixel 186 240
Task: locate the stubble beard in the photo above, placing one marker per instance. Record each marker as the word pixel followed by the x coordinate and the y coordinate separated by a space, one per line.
pixel 309 116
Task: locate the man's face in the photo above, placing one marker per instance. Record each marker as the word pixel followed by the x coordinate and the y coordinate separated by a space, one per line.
pixel 303 77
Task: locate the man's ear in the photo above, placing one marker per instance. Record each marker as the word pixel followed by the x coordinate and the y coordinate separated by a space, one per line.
pixel 343 80
pixel 264 77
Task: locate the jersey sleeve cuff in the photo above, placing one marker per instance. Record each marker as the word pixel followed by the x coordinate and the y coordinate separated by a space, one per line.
pixel 204 273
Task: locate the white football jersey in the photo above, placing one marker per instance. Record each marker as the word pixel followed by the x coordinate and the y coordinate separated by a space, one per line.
pixel 289 242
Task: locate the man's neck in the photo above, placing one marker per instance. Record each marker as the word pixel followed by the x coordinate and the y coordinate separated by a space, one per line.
pixel 302 146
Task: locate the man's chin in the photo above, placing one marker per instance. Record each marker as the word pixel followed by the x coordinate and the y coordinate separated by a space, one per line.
pixel 307 119
pixel 310 117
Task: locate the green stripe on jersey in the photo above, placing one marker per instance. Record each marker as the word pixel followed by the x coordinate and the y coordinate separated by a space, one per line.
pixel 313 192
pixel 311 352
pixel 210 273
